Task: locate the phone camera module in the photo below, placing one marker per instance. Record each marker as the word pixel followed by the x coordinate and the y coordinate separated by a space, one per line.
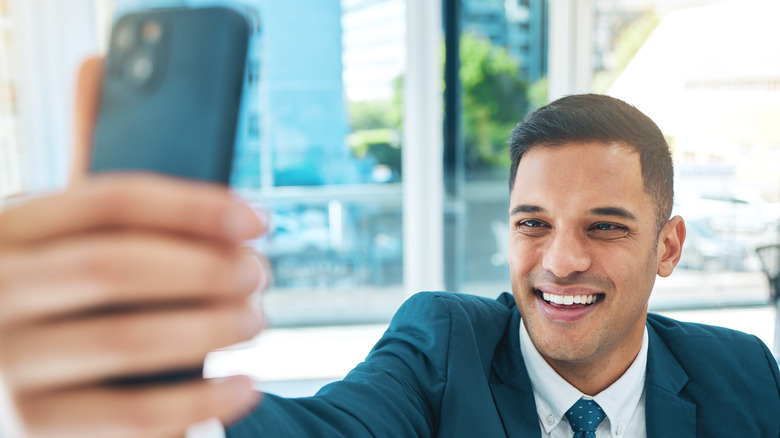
pixel 151 32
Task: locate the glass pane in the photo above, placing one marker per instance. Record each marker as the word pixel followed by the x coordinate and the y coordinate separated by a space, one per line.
pixel 319 147
pixel 715 96
pixel 10 181
pixel 503 67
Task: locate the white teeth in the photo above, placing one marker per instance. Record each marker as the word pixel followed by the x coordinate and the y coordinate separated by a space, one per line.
pixel 568 300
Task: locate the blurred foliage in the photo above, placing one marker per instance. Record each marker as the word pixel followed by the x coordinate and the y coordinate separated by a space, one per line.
pixel 628 41
pixel 383 144
pixel 494 100
pixel 496 96
pixel 537 94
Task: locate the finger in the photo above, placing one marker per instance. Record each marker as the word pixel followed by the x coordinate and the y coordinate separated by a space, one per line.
pixel 160 411
pixel 133 200
pixel 88 350
pixel 77 274
pixel 88 91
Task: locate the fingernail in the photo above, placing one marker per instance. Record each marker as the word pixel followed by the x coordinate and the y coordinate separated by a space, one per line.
pixel 239 390
pixel 251 323
pixel 241 222
pixel 247 274
pixel 235 385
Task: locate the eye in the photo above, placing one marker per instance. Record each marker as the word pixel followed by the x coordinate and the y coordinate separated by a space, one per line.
pixel 530 223
pixel 607 230
pixel 531 227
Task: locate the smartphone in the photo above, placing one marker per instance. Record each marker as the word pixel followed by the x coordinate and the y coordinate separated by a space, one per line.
pixel 172 92
pixel 170 104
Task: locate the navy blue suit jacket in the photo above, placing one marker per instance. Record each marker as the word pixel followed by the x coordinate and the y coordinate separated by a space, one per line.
pixel 450 365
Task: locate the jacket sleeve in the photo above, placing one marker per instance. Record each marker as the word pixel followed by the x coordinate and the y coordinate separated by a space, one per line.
pixel 395 392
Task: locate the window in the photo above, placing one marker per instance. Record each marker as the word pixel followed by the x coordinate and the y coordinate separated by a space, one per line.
pixel 714 95
pixel 320 148
pixel 10 181
pixel 501 59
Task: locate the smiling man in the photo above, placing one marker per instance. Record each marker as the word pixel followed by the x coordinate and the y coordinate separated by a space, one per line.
pixel 572 352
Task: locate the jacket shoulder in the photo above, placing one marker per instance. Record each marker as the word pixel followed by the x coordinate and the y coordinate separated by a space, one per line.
pixel 669 328
pixel 728 374
pixel 469 306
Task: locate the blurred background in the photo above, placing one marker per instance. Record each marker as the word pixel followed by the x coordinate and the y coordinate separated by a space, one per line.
pixel 374 131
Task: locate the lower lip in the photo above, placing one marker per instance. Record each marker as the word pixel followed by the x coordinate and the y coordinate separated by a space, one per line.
pixel 566 315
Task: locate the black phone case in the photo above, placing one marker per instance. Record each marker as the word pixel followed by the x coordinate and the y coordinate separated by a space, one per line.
pixel 181 118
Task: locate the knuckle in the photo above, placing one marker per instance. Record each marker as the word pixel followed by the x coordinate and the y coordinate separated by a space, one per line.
pixel 136 416
pixel 104 202
pixel 125 340
pixel 102 263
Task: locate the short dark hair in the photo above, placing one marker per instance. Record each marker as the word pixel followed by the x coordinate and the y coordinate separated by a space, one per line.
pixel 598 118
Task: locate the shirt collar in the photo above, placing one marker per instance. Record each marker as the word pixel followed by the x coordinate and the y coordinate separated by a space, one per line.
pixel 554 395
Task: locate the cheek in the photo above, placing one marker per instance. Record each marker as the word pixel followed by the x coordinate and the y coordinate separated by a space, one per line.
pixel 519 256
pixel 635 279
pixel 522 262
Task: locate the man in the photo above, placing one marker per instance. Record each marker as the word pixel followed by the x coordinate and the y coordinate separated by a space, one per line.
pixel 590 199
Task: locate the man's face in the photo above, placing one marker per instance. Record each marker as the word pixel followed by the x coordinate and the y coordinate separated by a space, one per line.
pixel 583 252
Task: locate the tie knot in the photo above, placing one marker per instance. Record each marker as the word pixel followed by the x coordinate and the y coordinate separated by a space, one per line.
pixel 585 417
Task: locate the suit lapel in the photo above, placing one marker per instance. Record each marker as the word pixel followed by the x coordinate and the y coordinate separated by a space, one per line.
pixel 511 386
pixel 667 415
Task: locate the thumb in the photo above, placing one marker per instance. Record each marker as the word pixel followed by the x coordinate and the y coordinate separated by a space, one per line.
pixel 88 86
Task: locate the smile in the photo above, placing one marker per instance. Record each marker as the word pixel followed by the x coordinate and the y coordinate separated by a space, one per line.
pixel 568 300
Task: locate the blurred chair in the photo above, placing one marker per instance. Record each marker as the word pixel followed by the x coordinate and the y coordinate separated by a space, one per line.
pixel 770 262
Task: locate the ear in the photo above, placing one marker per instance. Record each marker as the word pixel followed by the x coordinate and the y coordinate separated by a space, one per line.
pixel 670 244
pixel 87 105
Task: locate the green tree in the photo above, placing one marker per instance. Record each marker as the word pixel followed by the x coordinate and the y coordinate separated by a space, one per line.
pixel 494 100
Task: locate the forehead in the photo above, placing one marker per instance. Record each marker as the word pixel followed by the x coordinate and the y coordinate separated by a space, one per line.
pixel 590 173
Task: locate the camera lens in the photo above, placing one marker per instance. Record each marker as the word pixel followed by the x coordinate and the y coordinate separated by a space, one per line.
pixel 141 67
pixel 124 36
pixel 151 32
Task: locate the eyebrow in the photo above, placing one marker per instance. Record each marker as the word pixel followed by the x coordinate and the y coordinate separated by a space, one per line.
pixel 613 211
pixel 599 211
pixel 526 208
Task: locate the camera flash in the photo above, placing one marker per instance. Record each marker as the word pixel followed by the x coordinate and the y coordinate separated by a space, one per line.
pixel 151 31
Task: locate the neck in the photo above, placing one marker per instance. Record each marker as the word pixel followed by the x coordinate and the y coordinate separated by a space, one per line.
pixel 592 376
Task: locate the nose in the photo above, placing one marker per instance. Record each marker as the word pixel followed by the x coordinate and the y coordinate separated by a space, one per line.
pixel 566 254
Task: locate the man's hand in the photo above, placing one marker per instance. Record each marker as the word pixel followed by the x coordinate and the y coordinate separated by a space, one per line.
pixel 123 275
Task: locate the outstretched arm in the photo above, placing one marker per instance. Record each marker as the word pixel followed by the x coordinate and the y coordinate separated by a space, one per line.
pixel 121 275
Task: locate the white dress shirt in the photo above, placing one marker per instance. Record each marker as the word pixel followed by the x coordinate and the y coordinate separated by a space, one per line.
pixel 208 429
pixel 623 402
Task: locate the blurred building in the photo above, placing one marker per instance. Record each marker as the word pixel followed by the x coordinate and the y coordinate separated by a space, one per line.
pixel 374 54
pixel 518 25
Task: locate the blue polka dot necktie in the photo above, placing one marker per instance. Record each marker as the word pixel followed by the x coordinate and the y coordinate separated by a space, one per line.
pixel 584 417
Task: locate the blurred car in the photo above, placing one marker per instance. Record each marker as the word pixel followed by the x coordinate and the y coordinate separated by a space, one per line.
pixel 706 250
